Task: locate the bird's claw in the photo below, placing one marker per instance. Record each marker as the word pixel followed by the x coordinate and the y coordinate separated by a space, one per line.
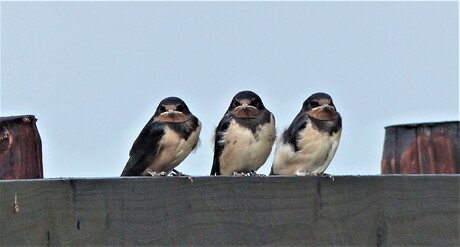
pixel 177 173
pixel 324 175
pixel 156 174
pixel 327 175
pixel 248 174
pixel 320 174
pixel 255 174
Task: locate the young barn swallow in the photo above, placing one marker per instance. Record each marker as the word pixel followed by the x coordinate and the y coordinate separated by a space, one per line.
pixel 244 137
pixel 165 141
pixel 308 145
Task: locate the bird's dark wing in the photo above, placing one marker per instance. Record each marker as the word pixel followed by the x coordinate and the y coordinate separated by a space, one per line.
pixel 218 144
pixel 144 149
pixel 290 134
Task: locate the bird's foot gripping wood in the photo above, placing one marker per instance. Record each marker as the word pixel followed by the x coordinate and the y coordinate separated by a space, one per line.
pixel 325 175
pixel 255 174
pixel 176 173
pixel 156 174
pixel 321 174
pixel 248 174
pixel 239 174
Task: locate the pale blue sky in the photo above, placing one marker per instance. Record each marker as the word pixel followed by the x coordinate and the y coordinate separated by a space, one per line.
pixel 94 72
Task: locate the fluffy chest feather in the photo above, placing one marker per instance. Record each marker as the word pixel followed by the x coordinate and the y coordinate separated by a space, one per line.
pixel 316 150
pixel 245 151
pixel 174 149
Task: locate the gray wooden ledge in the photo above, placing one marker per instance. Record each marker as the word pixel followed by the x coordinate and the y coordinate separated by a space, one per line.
pixel 351 210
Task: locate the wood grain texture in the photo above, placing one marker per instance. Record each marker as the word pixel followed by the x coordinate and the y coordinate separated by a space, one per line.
pixel 294 211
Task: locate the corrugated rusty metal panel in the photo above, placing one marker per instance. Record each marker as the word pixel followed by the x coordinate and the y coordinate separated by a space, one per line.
pixel 20 148
pixel 425 148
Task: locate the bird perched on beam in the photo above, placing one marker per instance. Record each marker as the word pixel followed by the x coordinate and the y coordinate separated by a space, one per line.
pixel 165 141
pixel 308 145
pixel 244 137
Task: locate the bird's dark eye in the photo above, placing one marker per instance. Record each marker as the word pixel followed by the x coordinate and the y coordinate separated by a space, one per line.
pixel 162 108
pixel 179 108
pixel 255 103
pixel 314 104
pixel 237 103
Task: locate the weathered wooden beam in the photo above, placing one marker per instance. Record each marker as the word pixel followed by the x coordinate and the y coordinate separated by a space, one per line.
pixel 425 148
pixel 288 211
pixel 20 148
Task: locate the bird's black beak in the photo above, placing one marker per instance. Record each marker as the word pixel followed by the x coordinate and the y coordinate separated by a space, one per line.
pixel 327 107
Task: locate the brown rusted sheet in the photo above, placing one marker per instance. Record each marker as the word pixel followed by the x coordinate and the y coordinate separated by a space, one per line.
pixel 20 148
pixel 427 148
pixel 408 158
pixel 388 159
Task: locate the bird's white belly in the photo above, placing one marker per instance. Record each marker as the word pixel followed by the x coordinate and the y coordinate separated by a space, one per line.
pixel 243 151
pixel 174 150
pixel 316 150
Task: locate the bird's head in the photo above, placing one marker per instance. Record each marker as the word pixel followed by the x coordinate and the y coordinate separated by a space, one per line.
pixel 172 109
pixel 246 104
pixel 320 106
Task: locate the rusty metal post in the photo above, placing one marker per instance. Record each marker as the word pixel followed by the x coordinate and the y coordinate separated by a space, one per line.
pixel 20 148
pixel 425 148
